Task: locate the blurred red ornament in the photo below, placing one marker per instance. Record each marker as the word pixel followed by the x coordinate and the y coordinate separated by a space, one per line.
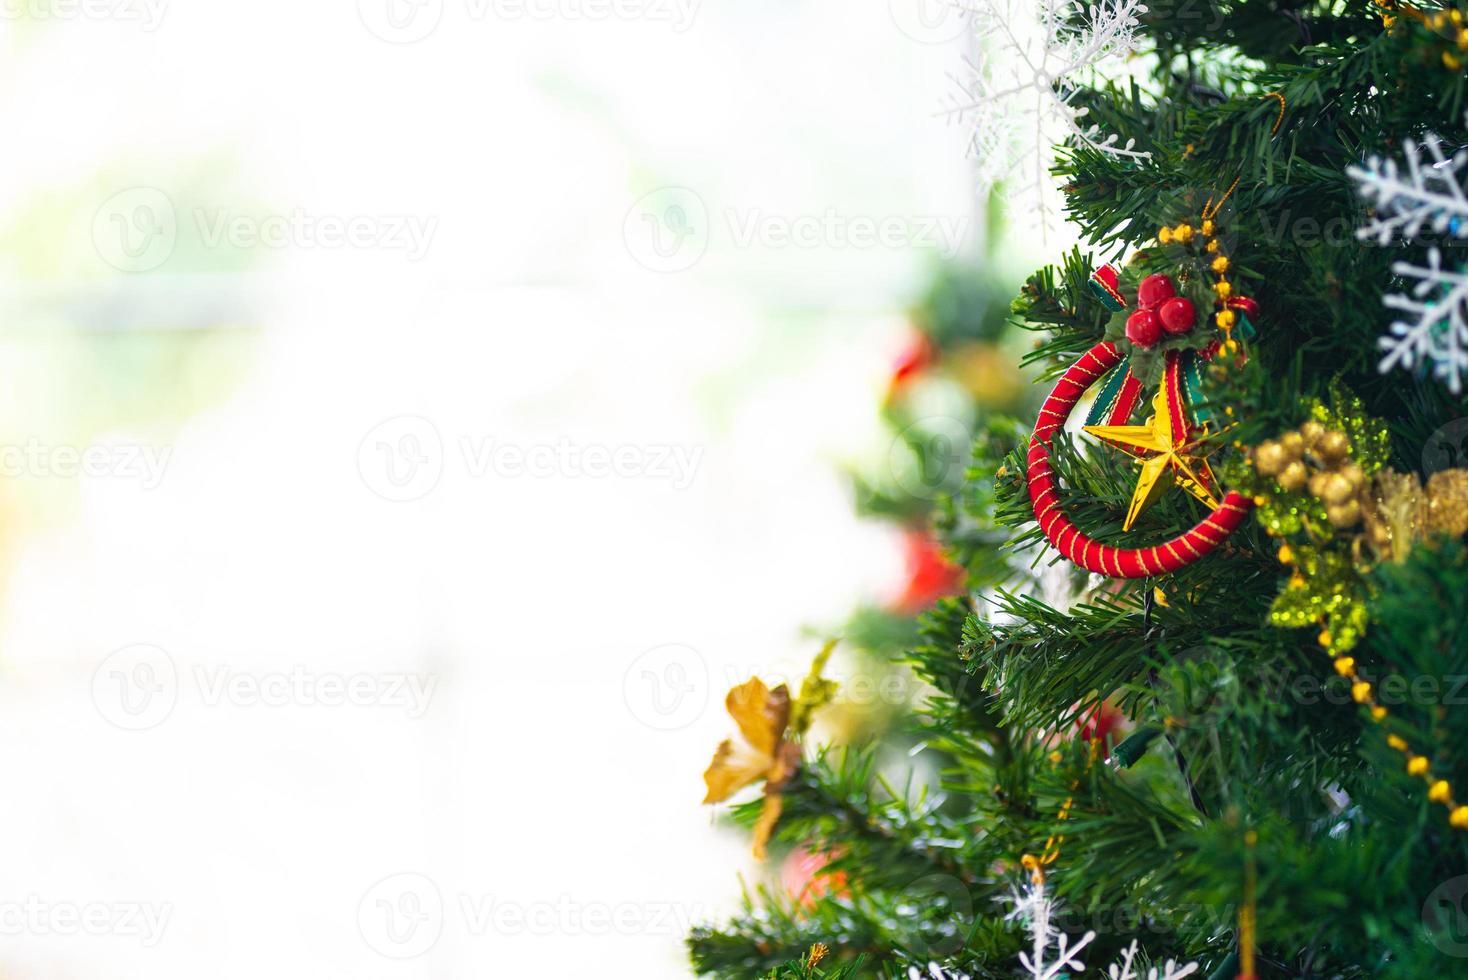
pixel 1177 315
pixel 930 575
pixel 1155 289
pixel 803 879
pixel 916 356
pixel 1100 722
pixel 1143 328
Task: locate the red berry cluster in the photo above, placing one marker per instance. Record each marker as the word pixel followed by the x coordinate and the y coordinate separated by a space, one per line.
pixel 1159 309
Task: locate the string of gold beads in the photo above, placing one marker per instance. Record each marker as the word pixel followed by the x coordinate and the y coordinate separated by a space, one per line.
pixel 1340 483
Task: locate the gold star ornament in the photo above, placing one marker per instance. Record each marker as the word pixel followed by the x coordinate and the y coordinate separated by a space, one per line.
pixel 1165 454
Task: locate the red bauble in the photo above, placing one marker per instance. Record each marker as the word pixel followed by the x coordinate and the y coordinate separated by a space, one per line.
pixel 917 355
pixel 1246 306
pixel 930 575
pixel 806 880
pixel 1143 328
pixel 1177 315
pixel 1155 289
pixel 1100 722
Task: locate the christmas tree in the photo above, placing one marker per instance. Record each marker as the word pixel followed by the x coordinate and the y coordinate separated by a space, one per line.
pixel 1201 707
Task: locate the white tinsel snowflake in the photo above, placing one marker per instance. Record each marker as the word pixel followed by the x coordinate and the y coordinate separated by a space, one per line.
pixel 1020 92
pixel 1429 194
pixel 1438 332
pixel 1035 908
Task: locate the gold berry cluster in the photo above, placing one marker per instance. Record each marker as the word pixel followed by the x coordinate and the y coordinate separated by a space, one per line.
pixel 1394 510
pixel 1316 458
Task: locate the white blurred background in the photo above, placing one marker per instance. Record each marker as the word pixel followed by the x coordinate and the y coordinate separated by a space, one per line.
pixel 415 415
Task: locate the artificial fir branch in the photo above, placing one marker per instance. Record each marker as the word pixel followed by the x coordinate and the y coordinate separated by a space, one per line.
pixel 1236 723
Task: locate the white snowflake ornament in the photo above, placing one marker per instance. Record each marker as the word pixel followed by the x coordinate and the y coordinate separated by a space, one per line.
pixel 1437 333
pixel 1051 950
pixel 1427 194
pixel 1034 907
pixel 1170 969
pixel 1020 93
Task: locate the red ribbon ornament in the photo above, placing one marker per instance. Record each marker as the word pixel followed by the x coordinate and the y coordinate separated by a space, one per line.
pixel 1094 556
